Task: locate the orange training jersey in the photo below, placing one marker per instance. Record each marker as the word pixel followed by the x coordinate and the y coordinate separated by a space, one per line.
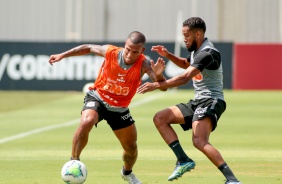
pixel 115 85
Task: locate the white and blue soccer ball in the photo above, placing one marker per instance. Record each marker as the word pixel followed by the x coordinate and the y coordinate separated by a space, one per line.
pixel 74 172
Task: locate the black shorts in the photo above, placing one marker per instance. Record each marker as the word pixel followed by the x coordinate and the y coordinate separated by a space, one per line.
pixel 198 109
pixel 116 120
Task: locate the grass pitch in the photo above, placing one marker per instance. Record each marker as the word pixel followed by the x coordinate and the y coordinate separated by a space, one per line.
pixel 37 128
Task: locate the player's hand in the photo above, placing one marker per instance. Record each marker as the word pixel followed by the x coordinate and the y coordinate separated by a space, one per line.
pixel 158 67
pixel 146 87
pixel 161 50
pixel 55 58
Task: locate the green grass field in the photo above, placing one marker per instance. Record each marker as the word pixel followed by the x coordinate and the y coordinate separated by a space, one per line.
pixel 36 130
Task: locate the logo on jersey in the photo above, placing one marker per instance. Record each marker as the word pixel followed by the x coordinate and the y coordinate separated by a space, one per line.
pixel 120 79
pixel 198 77
pixel 116 89
pixel 121 75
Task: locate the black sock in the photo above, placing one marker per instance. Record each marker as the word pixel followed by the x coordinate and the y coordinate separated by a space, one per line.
pixel 179 152
pixel 226 171
pixel 126 172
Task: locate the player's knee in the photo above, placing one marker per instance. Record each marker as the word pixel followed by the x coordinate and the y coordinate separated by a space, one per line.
pixel 199 143
pixel 131 148
pixel 158 119
pixel 87 122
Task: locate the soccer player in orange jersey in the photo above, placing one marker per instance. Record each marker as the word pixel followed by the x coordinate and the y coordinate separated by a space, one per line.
pixel 109 97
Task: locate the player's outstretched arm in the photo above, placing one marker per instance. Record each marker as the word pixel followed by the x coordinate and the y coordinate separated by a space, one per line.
pixel 179 61
pixel 99 50
pixel 170 83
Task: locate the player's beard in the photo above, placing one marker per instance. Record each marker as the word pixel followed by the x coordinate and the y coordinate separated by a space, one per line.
pixel 193 46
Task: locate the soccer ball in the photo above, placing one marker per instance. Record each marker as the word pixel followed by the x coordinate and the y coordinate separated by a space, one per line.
pixel 74 172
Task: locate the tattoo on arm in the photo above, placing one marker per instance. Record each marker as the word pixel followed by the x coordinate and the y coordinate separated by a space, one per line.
pixel 148 69
pixel 99 50
pixel 77 51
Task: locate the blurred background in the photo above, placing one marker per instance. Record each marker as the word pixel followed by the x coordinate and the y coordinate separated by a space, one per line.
pixel 247 32
pixel 253 21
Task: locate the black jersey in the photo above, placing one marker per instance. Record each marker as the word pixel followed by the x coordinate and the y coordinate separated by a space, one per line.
pixel 209 82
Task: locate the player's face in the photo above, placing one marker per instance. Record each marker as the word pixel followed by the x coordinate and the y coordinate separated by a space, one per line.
pixel 132 51
pixel 189 38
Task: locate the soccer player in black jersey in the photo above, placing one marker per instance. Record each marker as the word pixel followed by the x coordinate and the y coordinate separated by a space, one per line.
pixel 201 114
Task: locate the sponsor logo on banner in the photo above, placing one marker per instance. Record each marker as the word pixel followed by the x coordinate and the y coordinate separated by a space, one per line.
pixel 37 67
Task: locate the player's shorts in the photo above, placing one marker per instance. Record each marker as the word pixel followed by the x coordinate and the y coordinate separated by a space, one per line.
pixel 198 109
pixel 116 120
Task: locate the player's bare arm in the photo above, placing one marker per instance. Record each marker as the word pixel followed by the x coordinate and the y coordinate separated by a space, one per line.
pixel 154 70
pixel 182 79
pixel 179 61
pixel 99 50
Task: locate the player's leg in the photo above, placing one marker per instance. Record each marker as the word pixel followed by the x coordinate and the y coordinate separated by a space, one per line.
pixel 90 115
pixel 88 119
pixel 163 120
pixel 124 128
pixel 128 139
pixel 200 137
pixel 205 122
pixel 201 132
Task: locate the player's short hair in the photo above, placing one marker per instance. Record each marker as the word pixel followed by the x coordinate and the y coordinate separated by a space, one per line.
pixel 195 23
pixel 137 37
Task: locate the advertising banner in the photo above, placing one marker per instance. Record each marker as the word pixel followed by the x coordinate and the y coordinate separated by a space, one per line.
pixel 25 66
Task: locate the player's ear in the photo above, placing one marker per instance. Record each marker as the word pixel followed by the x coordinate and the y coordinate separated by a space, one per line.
pixel 143 49
pixel 198 34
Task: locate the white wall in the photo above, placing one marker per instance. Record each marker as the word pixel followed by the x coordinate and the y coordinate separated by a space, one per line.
pixel 112 20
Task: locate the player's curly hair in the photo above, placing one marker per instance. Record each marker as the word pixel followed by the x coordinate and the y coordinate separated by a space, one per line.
pixel 195 23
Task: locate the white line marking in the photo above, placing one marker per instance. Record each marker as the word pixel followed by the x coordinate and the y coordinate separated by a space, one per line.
pixel 39 130
pixel 69 123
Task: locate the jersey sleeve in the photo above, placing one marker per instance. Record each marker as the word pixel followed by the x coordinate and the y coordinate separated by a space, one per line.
pixel 207 58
